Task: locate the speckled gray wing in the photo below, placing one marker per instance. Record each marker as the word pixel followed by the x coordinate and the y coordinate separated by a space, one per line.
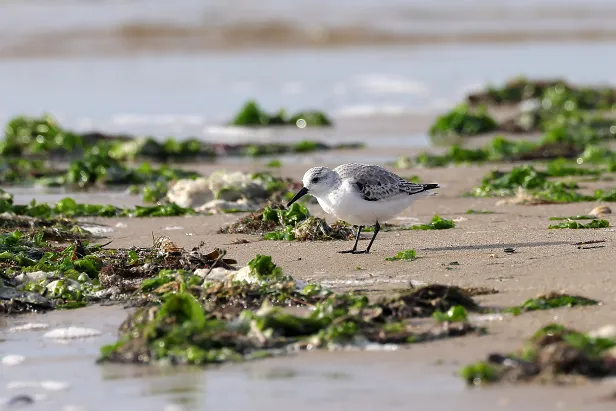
pixel 375 183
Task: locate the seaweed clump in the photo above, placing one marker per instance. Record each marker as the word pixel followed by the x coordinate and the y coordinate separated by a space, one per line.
pixel 251 114
pixel 536 187
pixel 69 208
pixel 437 223
pixel 462 121
pixel 553 354
pixel 275 222
pixel 246 315
pixel 36 276
pixel 535 183
pixel 42 136
pixel 58 229
pixel 595 223
pixel 406 255
pixel 551 300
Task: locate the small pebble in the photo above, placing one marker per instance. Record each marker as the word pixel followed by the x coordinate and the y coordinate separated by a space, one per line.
pixel 13 359
pixel 20 400
pixel 174 227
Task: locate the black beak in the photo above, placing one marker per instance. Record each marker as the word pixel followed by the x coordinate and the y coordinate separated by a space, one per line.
pixel 299 195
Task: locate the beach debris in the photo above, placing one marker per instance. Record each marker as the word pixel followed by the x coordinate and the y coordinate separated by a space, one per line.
pixel 553 354
pixel 261 221
pixel 36 276
pixel 259 311
pixel 473 291
pixel 600 210
pixel 471 211
pixel 581 245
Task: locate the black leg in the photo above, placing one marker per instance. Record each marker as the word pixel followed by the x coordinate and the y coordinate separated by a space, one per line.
pixel 377 227
pixel 354 250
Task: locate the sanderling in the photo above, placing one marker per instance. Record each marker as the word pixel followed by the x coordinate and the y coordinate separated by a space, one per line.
pixel 361 194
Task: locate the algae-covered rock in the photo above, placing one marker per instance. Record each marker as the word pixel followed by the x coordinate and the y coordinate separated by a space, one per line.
pixel 229 191
pixel 14 301
pixel 553 354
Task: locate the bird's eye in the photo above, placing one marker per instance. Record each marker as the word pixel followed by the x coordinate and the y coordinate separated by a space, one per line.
pixel 314 180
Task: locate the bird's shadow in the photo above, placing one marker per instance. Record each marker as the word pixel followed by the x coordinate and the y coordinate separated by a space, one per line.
pixel 500 245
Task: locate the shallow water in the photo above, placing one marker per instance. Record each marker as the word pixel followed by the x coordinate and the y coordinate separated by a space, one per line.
pixel 370 92
pixel 308 380
pixel 63 375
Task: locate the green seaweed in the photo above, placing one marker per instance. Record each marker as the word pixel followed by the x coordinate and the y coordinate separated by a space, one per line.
pixel 406 255
pixel 598 223
pixel 437 223
pixel 479 373
pixel 461 121
pixel 537 183
pixel 28 135
pixel 455 314
pixel 263 267
pixel 550 301
pixel 251 114
pixel 515 90
pixel 274 164
pixel 67 207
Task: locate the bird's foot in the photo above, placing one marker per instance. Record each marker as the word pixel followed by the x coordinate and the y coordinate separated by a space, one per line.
pixel 352 252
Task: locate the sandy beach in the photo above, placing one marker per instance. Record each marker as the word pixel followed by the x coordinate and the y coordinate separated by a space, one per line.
pixel 544 260
pixel 385 75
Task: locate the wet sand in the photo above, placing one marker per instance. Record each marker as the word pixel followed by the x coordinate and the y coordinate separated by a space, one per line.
pixel 422 375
